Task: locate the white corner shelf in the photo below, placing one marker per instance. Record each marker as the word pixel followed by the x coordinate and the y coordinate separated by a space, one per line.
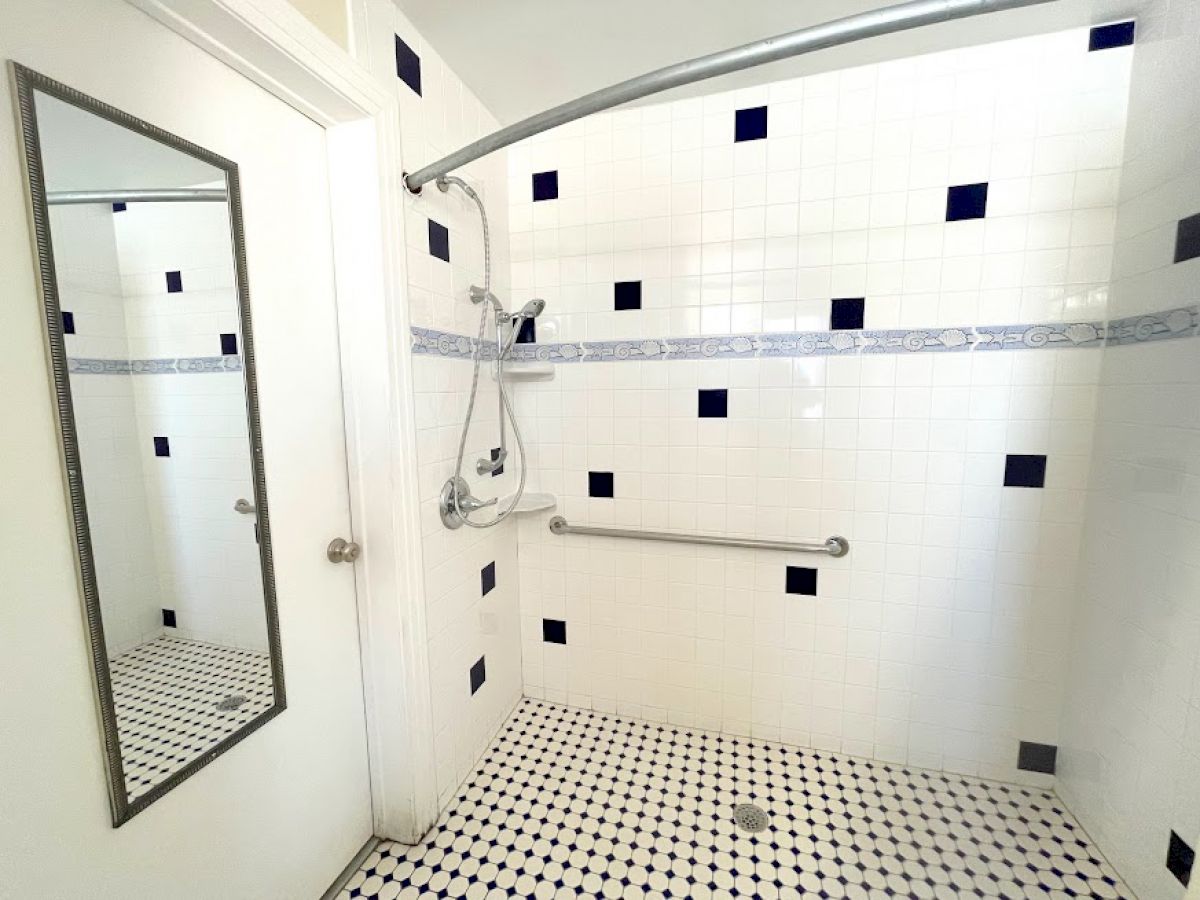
pixel 527 371
pixel 531 502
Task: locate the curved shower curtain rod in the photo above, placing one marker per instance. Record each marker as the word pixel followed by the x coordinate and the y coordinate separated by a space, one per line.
pixel 818 37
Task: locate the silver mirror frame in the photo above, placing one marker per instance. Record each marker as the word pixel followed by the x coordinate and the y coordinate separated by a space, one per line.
pixel 25 82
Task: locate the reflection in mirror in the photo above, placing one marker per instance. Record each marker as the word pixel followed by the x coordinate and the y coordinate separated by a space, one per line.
pixel 148 327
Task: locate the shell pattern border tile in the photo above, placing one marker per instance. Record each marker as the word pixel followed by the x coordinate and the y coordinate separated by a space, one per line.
pixel 1162 325
pixel 178 365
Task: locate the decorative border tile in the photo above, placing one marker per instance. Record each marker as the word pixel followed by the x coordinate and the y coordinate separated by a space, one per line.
pixel 85 366
pixel 191 365
pixel 443 343
pixel 1163 325
pixel 179 365
pixel 1156 326
pixel 944 340
pixel 724 346
pixel 556 353
pixel 1050 335
pixel 807 343
pixel 153 366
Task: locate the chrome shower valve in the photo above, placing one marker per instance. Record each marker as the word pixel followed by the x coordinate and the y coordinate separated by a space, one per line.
pixel 467 503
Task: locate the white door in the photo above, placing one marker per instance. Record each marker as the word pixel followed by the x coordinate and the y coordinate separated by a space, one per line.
pixel 279 815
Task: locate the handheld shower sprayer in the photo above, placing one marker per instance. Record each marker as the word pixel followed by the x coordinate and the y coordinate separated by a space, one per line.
pixel 457 501
pixel 530 310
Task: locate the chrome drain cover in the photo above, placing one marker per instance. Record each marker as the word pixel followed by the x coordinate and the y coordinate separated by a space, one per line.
pixel 233 701
pixel 751 818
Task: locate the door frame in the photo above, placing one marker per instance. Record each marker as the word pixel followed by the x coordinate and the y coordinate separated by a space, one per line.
pixel 277 48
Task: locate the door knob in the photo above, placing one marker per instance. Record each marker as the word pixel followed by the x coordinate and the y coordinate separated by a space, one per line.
pixel 341 550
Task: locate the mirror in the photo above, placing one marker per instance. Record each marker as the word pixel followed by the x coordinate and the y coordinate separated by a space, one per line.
pixel 142 265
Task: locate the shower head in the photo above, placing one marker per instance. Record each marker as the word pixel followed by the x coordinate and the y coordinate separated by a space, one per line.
pixel 531 310
pixel 517 320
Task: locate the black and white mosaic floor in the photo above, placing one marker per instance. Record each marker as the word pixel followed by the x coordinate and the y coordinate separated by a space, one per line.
pixel 171 696
pixel 568 803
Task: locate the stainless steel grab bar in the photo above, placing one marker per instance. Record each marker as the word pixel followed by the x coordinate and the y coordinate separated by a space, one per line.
pixel 834 546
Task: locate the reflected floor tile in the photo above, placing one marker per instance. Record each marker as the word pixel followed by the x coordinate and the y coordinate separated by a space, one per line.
pixel 167 693
pixel 570 803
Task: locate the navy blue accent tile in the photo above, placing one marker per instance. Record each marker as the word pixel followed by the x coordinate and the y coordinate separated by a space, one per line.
pixel 68 322
pixel 627 295
pixel 554 631
pixel 168 618
pixel 487 579
pixel 1105 37
pixel 174 282
pixel 499 470
pixel 1023 470
pixel 119 207
pixel 966 201
pixel 162 446
pixel 439 240
pixel 545 186
pixel 478 675
pixel 750 124
pixel 846 313
pixel 713 404
pixel 528 332
pixel 801 580
pixel 408 66
pixel 1187 238
pixel 600 484
pixel 229 345
pixel 1033 757
pixel 1180 858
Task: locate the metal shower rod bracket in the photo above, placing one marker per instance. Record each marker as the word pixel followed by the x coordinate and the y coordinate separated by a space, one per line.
pixel 875 23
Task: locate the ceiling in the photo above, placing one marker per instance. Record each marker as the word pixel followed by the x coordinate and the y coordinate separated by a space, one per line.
pixel 83 152
pixel 523 56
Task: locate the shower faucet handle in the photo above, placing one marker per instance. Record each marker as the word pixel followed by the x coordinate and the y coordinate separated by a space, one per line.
pixel 471 503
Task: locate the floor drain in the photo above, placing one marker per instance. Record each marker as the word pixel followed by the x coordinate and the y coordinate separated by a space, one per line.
pixel 749 817
pixel 233 701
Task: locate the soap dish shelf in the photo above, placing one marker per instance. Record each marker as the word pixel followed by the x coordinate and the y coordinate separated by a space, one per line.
pixel 530 502
pixel 527 371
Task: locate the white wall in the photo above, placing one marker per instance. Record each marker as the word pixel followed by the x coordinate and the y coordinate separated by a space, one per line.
pixel 261 836
pixel 463 624
pixel 1130 767
pixel 941 640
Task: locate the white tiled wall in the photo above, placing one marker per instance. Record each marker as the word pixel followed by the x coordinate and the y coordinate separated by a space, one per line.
pixel 941 640
pixel 845 198
pixel 463 624
pixel 1130 766
pixel 89 282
